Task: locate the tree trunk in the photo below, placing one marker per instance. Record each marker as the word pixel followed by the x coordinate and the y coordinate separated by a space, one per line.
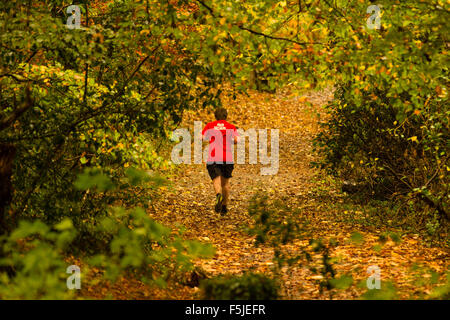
pixel 7 154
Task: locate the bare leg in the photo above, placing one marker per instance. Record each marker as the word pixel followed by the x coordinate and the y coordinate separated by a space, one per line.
pixel 225 190
pixel 217 185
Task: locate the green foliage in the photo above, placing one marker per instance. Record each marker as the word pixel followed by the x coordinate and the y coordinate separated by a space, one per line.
pixel 144 247
pixel 93 178
pixel 272 224
pixel 249 286
pixel 387 291
pixel 442 292
pixel 357 237
pixel 134 242
pixel 105 96
pixel 326 268
pixel 343 282
pixel 107 187
pixel 388 127
pixel 34 254
pixel 276 225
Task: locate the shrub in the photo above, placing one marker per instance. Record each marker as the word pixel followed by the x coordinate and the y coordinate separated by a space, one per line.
pixel 150 250
pixel 250 286
pixel 32 264
pixel 34 256
pixel 388 128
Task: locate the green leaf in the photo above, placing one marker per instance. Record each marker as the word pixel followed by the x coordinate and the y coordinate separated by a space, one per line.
pixel 94 178
pixel 343 282
pixel 66 224
pixel 356 237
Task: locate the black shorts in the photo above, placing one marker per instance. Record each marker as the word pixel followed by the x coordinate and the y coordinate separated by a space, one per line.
pixel 220 169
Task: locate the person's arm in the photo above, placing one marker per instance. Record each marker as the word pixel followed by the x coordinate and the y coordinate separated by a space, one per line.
pixel 202 134
pixel 236 136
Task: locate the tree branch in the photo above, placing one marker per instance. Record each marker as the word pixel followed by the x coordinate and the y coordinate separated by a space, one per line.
pixel 258 33
pixel 9 120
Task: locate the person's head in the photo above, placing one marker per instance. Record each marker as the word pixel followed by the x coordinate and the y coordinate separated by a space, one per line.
pixel 221 114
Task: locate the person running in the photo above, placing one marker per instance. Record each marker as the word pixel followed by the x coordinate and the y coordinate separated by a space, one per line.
pixel 220 164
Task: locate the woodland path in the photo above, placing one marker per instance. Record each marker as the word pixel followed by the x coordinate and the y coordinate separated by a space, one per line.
pixel 190 203
pixel 296 184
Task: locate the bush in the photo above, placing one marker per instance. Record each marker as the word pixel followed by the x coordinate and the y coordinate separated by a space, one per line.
pixel 388 128
pixel 33 257
pixel 134 241
pixel 148 249
pixel 368 145
pixel 250 286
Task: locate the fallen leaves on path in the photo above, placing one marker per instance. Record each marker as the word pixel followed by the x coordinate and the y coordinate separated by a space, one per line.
pixel 296 184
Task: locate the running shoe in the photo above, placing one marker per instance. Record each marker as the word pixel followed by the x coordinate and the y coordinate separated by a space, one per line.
pixel 219 199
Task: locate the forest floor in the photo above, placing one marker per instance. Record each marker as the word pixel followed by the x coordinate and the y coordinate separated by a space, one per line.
pixel 298 185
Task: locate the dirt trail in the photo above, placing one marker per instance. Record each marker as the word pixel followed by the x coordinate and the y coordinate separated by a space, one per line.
pixel 191 203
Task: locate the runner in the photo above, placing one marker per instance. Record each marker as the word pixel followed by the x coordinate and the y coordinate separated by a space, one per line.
pixel 220 165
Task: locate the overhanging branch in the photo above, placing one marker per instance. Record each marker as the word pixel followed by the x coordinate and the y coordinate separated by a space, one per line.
pixel 10 119
pixel 258 33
